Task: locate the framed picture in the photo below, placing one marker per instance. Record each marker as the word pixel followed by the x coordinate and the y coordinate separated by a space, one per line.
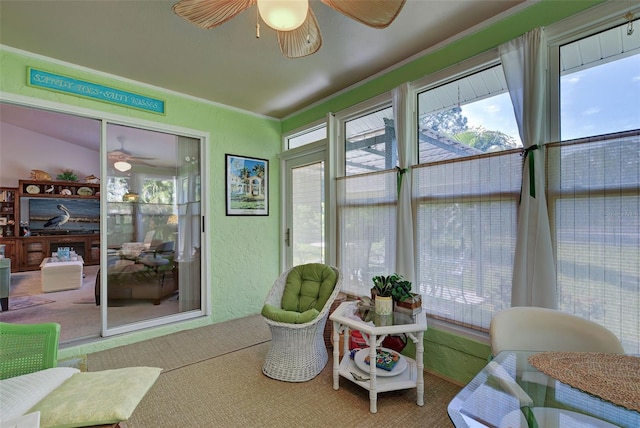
pixel 247 185
pixel 3 221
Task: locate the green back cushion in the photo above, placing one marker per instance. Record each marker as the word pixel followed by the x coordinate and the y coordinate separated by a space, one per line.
pixel 308 287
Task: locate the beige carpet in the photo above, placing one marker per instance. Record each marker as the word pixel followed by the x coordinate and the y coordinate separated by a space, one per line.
pixel 185 347
pixel 213 377
pixel 77 320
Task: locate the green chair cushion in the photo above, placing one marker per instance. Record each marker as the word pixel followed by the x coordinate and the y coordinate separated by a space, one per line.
pixel 308 286
pixel 289 317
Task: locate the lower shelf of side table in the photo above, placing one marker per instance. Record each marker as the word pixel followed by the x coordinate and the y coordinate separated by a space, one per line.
pixel 405 380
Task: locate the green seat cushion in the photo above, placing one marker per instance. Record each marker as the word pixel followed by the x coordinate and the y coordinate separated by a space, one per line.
pixel 308 287
pixel 96 398
pixel 289 317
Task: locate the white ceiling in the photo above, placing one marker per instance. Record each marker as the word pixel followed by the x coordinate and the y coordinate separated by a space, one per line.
pixel 145 41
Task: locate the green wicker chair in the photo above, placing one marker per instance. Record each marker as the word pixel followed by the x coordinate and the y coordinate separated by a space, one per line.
pixel 296 310
pixel 27 348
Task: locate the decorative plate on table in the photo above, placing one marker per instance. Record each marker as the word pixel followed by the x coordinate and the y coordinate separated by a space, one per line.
pixel 85 191
pixel 33 189
pixel 400 366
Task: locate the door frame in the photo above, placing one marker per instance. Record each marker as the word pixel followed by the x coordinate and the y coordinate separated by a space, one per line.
pixel 294 158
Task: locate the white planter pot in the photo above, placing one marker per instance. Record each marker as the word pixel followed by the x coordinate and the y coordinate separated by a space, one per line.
pixel 384 305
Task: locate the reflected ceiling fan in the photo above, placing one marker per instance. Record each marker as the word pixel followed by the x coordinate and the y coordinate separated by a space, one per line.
pixel 293 20
pixel 122 159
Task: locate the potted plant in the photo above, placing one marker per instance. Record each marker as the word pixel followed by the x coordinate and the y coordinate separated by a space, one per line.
pixel 67 175
pixel 387 289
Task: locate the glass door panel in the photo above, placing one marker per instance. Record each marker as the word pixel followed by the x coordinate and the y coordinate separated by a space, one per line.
pixel 152 228
pixel 306 219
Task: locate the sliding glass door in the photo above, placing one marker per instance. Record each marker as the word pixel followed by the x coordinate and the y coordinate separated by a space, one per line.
pixel 150 272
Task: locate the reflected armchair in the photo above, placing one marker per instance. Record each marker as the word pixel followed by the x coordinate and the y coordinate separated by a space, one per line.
pixel 296 310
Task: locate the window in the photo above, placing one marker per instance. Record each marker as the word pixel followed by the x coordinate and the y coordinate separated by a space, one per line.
pixel 466 117
pixel 594 193
pixel 466 215
pixel 466 199
pixel 366 229
pixel 370 143
pixel 466 186
pixel 307 137
pixel 600 84
pixel 366 196
pixel 117 187
pixel 594 182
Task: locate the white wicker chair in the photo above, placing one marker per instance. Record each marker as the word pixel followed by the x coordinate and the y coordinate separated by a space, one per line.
pixel 298 352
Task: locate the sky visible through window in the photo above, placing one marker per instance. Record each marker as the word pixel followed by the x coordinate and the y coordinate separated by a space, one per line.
pixel 495 113
pixel 594 101
pixel 601 99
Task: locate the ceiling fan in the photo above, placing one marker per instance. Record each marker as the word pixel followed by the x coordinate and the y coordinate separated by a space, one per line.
pixel 122 158
pixel 293 20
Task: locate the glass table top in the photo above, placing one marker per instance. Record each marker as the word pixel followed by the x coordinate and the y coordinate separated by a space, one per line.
pixel 497 395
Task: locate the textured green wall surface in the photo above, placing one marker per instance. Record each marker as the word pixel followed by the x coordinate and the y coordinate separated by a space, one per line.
pixel 538 14
pixel 454 357
pixel 243 251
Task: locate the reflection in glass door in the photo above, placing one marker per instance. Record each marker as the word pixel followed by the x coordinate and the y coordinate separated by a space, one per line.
pixel 153 229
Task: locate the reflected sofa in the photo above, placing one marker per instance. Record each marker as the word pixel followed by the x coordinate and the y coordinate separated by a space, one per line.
pixel 151 276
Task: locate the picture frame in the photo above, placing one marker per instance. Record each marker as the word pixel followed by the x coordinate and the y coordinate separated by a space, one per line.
pixel 246 186
pixel 3 221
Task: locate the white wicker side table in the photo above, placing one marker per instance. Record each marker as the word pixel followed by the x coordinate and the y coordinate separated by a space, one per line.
pixel 345 318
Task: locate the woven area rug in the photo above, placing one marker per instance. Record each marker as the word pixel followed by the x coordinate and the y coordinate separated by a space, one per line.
pixel 17 303
pixel 186 347
pixel 612 377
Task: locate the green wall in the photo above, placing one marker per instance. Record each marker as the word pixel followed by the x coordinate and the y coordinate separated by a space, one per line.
pixel 244 251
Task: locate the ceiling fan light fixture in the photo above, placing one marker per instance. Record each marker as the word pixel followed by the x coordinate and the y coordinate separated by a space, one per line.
pixel 122 166
pixel 283 15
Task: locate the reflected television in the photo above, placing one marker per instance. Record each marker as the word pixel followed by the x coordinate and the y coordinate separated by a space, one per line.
pixel 71 215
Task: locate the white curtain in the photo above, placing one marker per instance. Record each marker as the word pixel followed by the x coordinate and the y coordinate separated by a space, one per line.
pixel 534 275
pixel 405 263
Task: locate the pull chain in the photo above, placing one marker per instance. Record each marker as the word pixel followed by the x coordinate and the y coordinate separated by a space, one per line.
pixel 257 23
pixel 629 17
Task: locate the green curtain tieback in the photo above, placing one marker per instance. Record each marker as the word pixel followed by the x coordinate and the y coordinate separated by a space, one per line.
pixel 400 172
pixel 528 153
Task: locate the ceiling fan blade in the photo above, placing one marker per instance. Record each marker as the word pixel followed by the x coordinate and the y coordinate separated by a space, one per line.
pixel 304 40
pixel 118 155
pixel 207 14
pixel 137 161
pixel 374 13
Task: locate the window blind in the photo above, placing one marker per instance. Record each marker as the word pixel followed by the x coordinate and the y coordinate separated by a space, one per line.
pixel 366 228
pixel 594 198
pixel 466 215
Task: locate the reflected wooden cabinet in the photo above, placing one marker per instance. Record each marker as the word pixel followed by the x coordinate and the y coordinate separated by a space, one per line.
pixel 33 252
pixel 34 249
pixel 8 212
pixel 11 252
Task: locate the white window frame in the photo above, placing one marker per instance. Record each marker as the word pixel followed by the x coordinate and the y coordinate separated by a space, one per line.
pixel 372 105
